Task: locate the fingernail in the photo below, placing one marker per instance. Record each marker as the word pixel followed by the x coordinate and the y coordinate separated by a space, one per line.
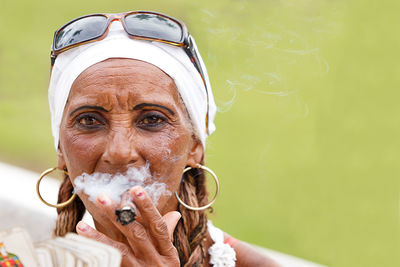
pixel 102 200
pixel 83 227
pixel 140 194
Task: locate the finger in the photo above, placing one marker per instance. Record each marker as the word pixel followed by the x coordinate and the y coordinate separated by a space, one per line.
pixel 134 232
pixel 85 230
pixel 106 201
pixel 152 220
pixel 171 219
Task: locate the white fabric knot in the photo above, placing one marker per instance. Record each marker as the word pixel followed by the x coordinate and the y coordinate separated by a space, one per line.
pixel 222 255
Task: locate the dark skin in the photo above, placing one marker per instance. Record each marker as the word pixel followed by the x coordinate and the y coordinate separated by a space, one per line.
pixel 125 113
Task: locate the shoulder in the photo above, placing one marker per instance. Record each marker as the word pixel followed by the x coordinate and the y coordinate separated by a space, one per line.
pixel 248 255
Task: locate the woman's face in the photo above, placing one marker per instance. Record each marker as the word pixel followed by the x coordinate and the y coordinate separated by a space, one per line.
pixel 124 113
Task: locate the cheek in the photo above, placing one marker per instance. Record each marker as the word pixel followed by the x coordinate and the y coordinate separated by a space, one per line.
pixel 81 152
pixel 167 156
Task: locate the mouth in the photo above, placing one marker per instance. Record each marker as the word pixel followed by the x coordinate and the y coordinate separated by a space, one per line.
pixel 116 185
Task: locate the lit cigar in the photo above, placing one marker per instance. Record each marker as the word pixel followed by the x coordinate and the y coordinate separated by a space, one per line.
pixel 127 210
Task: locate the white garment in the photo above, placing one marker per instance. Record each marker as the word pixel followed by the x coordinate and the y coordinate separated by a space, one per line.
pixel 117 44
pixel 221 254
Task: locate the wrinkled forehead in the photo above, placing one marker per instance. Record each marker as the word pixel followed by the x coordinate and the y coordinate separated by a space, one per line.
pixel 113 67
pixel 125 82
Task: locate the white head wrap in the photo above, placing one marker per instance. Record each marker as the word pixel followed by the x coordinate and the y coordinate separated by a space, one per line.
pixel 117 44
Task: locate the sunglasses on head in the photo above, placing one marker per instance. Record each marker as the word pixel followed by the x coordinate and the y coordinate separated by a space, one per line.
pixel 144 25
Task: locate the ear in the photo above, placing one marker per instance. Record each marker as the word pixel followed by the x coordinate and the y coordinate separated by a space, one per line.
pixel 61 165
pixel 196 154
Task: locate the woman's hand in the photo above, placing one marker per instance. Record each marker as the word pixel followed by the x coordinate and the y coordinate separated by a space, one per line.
pixel 149 243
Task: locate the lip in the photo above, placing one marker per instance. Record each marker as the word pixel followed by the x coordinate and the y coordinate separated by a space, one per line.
pixel 121 169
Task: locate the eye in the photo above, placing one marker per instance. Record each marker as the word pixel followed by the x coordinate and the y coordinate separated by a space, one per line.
pixel 152 120
pixel 88 121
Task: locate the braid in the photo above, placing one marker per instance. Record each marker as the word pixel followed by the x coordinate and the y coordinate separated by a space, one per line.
pixel 69 216
pixel 190 233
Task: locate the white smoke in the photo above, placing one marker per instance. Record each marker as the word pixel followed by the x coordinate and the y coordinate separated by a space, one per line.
pixel 114 185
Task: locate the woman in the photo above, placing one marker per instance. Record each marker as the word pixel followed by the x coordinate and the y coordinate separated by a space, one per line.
pixel 127 91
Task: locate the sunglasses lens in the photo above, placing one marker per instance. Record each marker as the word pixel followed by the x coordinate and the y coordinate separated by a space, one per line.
pixel 81 30
pixel 154 26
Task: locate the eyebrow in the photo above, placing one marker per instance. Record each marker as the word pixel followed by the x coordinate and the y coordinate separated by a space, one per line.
pixel 153 105
pixel 88 107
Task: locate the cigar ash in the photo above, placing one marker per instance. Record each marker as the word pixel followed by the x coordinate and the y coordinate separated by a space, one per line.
pixel 125 215
pixel 127 212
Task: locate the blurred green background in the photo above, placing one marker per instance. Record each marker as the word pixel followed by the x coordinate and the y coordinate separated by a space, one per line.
pixel 307 141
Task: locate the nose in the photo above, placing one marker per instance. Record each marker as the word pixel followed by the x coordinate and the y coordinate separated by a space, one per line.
pixel 120 149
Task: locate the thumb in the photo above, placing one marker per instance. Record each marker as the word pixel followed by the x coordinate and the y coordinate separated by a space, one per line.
pixel 171 220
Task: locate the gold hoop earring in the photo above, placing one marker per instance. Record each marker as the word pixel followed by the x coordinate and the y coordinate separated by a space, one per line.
pixel 60 205
pixel 216 193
